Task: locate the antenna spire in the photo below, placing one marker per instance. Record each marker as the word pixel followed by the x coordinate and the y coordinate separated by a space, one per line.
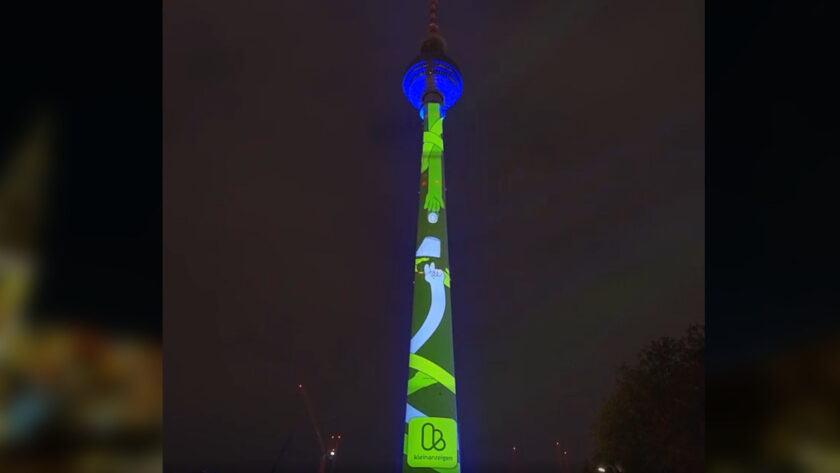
pixel 433 26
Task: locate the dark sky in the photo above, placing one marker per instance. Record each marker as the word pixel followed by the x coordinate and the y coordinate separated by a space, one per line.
pixel 575 173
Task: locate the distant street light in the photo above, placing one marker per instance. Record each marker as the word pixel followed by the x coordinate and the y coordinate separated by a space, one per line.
pixel 609 468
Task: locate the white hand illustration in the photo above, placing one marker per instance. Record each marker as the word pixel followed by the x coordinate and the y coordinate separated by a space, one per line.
pixel 433 276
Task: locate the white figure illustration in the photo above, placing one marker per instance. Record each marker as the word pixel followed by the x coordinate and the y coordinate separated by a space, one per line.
pixel 429 247
pixel 435 278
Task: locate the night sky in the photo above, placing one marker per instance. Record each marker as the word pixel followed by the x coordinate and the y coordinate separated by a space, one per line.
pixel 575 174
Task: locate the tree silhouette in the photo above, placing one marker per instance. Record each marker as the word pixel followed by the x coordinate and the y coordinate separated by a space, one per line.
pixel 653 422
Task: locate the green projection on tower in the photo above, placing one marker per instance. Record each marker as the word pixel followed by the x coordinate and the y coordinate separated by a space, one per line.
pixel 431 432
pixel 432 84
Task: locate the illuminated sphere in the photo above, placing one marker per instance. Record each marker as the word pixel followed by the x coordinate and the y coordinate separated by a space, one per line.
pixel 445 84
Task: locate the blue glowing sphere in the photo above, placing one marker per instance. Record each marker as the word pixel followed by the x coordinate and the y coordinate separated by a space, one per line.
pixel 447 81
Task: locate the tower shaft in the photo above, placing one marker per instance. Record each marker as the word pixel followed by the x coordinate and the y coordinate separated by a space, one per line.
pixel 431 434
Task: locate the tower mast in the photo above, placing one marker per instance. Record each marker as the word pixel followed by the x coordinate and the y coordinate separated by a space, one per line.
pixel 432 84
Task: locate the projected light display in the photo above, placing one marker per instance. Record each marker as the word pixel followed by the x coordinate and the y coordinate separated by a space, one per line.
pixel 432 84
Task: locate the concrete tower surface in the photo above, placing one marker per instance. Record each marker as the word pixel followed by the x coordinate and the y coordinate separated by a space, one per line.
pixel 432 83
